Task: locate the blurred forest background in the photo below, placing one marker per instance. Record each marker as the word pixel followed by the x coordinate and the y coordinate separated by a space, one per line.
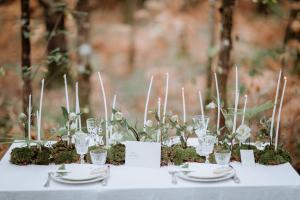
pixel 130 40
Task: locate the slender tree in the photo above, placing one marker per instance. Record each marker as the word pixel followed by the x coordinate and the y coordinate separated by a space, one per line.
pixel 292 37
pixel 224 63
pixel 211 47
pixel 54 13
pixel 26 65
pixel 129 8
pixel 83 54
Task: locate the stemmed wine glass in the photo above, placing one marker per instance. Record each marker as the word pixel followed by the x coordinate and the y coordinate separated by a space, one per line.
pixel 200 124
pixel 81 144
pixel 206 146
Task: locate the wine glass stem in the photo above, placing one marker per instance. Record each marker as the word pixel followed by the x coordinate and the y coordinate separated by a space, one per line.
pixel 207 159
pixel 81 159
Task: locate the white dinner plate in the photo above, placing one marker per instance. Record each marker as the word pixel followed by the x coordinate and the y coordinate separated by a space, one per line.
pixel 79 172
pixel 60 180
pixel 185 176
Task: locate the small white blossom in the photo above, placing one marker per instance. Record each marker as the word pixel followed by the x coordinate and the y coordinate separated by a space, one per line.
pixel 190 129
pixel 22 117
pixel 149 123
pixel 85 49
pixel 174 118
pixel 211 105
pixel 243 133
pixel 177 126
pixel 118 116
pixel 72 116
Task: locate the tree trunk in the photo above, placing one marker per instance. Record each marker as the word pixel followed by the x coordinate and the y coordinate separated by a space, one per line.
pixel 54 13
pixel 211 54
pixel 26 65
pixel 225 46
pixel 129 8
pixel 83 56
pixel 224 63
pixel 292 37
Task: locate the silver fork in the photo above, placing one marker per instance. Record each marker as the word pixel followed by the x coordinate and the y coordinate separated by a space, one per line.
pixel 105 180
pixel 47 183
pixel 235 178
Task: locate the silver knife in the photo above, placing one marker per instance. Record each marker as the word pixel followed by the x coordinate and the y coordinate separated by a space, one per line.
pixel 105 180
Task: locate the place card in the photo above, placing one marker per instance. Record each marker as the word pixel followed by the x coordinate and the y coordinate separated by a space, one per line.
pixel 142 154
pixel 247 157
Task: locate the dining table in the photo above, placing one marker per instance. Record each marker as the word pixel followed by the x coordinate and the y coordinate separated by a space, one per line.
pixel 259 182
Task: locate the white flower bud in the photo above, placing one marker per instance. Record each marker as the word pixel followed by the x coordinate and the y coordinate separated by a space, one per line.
pixel 174 118
pixel 72 116
pixel 149 123
pixel 118 116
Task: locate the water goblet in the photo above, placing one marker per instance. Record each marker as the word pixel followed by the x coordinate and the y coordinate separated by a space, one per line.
pixel 206 146
pixel 98 156
pixel 81 144
pixel 200 124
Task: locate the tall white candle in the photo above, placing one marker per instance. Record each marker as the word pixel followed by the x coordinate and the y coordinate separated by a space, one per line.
pixel 236 100
pixel 38 126
pixel 183 105
pixel 274 107
pixel 279 114
pixel 77 106
pixel 244 110
pixel 105 109
pixel 219 103
pixel 201 107
pixel 66 92
pixel 158 115
pixel 40 110
pixel 29 118
pixel 112 115
pixel 166 97
pixel 147 102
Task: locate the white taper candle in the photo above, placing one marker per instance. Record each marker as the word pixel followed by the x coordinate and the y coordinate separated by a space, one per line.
pixel 29 118
pixel 279 114
pixel 218 102
pixel 147 102
pixel 105 109
pixel 158 115
pixel 236 100
pixel 166 97
pixel 274 107
pixel 66 92
pixel 244 110
pixel 183 105
pixel 201 107
pixel 40 110
pixel 112 115
pixel 38 126
pixel 77 106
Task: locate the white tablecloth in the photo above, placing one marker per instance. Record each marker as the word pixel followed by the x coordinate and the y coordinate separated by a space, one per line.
pixel 260 182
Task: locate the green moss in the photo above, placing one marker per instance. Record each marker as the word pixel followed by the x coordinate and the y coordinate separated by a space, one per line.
pixel 61 153
pixel 178 155
pixel 235 152
pixel 271 157
pixel 116 154
pixel 21 156
pixel 41 155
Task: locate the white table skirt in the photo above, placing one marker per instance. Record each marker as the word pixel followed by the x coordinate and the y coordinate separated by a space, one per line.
pixel 257 183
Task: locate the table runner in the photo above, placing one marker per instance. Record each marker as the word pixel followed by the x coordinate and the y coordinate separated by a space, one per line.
pixel 279 182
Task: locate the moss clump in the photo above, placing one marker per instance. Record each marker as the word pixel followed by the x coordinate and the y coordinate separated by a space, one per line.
pixel 62 153
pixel 235 152
pixel 116 154
pixel 271 157
pixel 21 156
pixel 178 155
pixel 41 155
pixel 165 155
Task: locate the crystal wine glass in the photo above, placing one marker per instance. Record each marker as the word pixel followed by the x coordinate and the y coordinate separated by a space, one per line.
pixel 200 124
pixel 81 144
pixel 206 146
